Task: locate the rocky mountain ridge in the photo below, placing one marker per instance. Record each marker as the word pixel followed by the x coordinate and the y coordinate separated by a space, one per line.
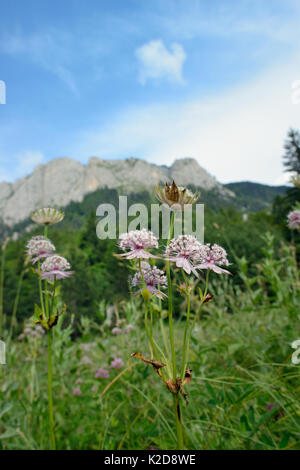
pixel 63 180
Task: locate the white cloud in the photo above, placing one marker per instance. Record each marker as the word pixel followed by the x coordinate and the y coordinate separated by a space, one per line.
pixel 237 135
pixel 156 62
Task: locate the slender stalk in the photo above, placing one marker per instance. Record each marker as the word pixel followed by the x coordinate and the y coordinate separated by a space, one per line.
pixel 50 399
pixel 170 298
pixel 187 321
pixel 177 407
pixel 50 338
pixel 177 411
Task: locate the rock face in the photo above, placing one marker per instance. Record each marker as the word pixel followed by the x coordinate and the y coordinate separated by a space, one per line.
pixel 64 180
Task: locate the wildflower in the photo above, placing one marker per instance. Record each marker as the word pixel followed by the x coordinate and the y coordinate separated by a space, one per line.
pixel 79 381
pixel 117 363
pixel 85 361
pixel 87 346
pixel 47 216
pixel 183 251
pixel 76 392
pixel 137 241
pixel 101 373
pixel 55 266
pixel 175 197
pixel 39 247
pixel 212 258
pixel 116 331
pixel 294 219
pixel 128 328
pixel 151 277
pixel 32 332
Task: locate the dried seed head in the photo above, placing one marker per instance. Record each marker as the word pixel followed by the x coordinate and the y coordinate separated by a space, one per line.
pixel 175 197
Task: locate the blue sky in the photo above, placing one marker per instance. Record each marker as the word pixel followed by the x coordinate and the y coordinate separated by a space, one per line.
pixel 155 79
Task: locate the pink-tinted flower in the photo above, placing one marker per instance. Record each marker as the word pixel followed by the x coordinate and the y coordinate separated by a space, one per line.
pixel 182 251
pixel 128 329
pixel 212 258
pixel 55 266
pixel 294 220
pixel 151 276
pixel 137 241
pixel 101 373
pixel 85 361
pixel 39 247
pixel 79 381
pixel 117 363
pixel 76 392
pixel 116 331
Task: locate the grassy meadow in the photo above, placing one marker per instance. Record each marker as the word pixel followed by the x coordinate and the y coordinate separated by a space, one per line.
pixel 244 392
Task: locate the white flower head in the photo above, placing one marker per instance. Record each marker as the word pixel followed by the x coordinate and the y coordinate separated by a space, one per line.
pixel 138 241
pixel 294 220
pixel 47 216
pixel 150 278
pixel 183 251
pixel 39 247
pixel 55 266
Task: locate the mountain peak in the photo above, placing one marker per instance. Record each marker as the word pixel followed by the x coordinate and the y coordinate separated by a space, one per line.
pixel 63 180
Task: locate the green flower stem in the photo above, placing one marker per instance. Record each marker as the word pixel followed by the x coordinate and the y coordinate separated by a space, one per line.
pixel 50 338
pixel 170 298
pixel 50 399
pixel 177 411
pixel 176 401
pixel 187 322
pixel 41 290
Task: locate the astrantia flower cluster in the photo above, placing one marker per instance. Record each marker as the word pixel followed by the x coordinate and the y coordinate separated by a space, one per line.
pixel 32 332
pixel 137 241
pixel 39 247
pixel 294 219
pixel 55 266
pixel 151 277
pixel 212 258
pixel 183 251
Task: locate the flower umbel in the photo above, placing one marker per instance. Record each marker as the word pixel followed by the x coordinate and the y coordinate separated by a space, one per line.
pixel 183 251
pixel 212 258
pixel 47 216
pixel 39 247
pixel 294 219
pixel 55 266
pixel 136 241
pixel 151 277
pixel 175 197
